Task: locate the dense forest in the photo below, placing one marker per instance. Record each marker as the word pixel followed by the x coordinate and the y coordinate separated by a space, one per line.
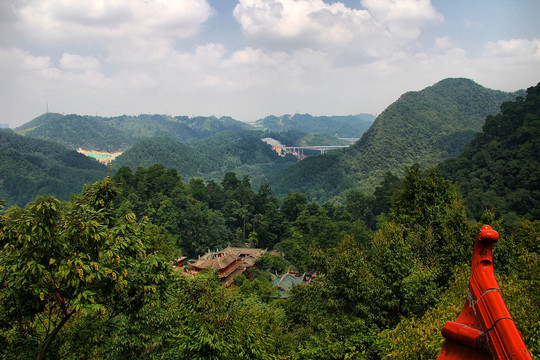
pixel 241 152
pixel 423 127
pixel 30 167
pixel 500 167
pixel 92 277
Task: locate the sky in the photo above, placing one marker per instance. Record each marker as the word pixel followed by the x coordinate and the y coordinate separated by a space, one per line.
pixel 252 58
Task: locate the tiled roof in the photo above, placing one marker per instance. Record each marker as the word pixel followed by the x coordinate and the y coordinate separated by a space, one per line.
pixel 216 263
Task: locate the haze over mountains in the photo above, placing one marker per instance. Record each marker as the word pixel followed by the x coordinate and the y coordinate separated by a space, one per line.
pixel 422 127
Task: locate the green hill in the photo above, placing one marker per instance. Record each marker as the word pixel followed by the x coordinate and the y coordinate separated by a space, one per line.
pixel 119 133
pixel 163 150
pixel 423 127
pixel 350 126
pixel 500 168
pixel 241 152
pixel 31 167
pixel 74 131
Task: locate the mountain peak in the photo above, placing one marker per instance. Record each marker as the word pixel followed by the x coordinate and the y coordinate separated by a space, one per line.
pixel 423 127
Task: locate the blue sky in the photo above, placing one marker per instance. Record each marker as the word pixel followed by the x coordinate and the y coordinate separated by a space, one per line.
pixel 252 58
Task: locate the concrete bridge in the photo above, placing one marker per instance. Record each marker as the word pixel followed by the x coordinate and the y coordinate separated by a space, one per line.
pixel 298 151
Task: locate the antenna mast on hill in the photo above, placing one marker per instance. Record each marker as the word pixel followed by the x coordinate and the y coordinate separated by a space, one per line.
pixel 46 107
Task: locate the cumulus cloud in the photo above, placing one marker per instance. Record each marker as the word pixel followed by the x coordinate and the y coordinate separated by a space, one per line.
pixel 306 22
pixel 380 25
pixel 402 18
pixel 123 32
pixel 71 21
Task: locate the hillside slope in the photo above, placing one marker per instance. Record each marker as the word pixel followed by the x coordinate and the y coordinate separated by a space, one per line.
pixel 162 150
pixel 423 127
pixel 500 168
pixel 74 131
pixel 241 152
pixel 31 167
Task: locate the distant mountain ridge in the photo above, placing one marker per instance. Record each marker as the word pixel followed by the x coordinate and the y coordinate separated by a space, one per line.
pixel 121 132
pixel 422 127
pixel 343 126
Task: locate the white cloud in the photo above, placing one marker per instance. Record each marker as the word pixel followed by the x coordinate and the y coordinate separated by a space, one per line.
pixel 378 29
pixel 298 23
pixel 403 18
pixel 443 42
pixel 306 22
pixel 71 21
pixel 15 58
pixel 508 64
pixel 78 62
pixel 514 51
pixel 123 32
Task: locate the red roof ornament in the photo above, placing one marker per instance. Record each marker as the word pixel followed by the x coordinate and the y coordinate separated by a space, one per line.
pixel 484 329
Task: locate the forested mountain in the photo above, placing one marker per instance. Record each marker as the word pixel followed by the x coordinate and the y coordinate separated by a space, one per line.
pixel 241 152
pixel 500 168
pixel 74 131
pixel 350 126
pixel 31 167
pixel 423 127
pixel 119 133
pixel 161 150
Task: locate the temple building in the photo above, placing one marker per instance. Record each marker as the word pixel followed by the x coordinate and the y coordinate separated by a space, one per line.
pixel 229 262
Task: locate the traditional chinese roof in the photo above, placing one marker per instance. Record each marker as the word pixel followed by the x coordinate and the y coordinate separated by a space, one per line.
pixel 215 262
pixel 230 261
pixel 287 281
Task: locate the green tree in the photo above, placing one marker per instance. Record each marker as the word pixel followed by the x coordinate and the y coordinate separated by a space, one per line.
pixel 434 215
pixel 207 321
pixel 58 260
pixel 293 205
